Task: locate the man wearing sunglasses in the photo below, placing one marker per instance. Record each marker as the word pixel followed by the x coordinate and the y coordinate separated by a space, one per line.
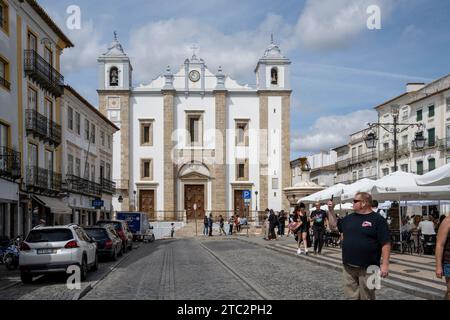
pixel 366 239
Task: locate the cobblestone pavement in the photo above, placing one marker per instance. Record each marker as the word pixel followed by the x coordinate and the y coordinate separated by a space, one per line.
pixel 53 286
pixel 221 270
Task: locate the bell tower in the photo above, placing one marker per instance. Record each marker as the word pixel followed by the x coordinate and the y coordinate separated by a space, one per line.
pixel 114 90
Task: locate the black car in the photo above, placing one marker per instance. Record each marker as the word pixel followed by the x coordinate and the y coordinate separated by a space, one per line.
pixel 108 242
pixel 122 229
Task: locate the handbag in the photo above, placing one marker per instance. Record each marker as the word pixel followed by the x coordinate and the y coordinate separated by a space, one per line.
pixel 293 226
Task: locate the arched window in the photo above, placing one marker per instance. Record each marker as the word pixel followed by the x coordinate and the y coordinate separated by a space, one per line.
pixel 274 76
pixel 114 77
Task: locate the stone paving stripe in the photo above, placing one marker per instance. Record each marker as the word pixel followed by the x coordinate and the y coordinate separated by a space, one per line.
pixel 256 288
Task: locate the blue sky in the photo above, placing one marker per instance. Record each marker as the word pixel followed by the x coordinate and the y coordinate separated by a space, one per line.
pixel 340 68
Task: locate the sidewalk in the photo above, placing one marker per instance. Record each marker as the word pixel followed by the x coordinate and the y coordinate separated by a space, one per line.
pixel 411 274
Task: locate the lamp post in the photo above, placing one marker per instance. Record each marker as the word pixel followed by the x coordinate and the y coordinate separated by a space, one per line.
pixel 134 200
pixel 395 128
pixel 195 218
pixel 256 193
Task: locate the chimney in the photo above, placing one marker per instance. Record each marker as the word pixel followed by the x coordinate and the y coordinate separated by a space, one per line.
pixel 414 86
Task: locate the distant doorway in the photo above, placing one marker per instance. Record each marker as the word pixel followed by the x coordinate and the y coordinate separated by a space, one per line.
pixel 194 194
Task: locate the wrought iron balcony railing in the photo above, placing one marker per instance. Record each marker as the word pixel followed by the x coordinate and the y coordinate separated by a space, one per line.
pixel 363 157
pixel 39 125
pixel 108 186
pixel 402 150
pixel 43 180
pixel 38 69
pixel 9 163
pixel 444 144
pixel 82 186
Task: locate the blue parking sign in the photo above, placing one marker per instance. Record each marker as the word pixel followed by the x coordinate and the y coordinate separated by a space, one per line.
pixel 247 194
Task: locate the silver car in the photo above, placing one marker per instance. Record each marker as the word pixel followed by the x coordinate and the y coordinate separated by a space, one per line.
pixel 54 249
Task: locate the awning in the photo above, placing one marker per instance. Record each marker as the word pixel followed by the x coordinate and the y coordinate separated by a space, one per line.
pixel 57 206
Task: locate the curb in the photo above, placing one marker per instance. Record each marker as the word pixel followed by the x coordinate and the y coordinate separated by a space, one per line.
pixel 394 284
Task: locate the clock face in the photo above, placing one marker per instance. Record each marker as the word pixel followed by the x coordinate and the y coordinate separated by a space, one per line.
pixel 194 75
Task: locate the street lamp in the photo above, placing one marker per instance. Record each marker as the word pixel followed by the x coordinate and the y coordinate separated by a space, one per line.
pixel 120 199
pixel 256 193
pixel 134 200
pixel 419 141
pixel 394 128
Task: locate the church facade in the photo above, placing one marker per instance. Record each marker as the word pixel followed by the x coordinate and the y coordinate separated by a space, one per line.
pixel 194 139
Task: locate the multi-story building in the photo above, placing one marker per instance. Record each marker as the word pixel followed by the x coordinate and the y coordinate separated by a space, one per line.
pixel 87 158
pixel 355 161
pixel 197 137
pixel 426 104
pixel 322 159
pixel 30 90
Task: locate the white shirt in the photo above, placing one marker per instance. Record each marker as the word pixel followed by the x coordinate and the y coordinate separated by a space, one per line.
pixel 427 227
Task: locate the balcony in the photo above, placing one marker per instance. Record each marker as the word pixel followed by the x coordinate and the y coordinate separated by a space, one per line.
pixel 363 158
pixel 43 181
pixel 444 144
pixel 402 150
pixel 342 164
pixel 43 73
pixel 108 186
pixel 38 125
pixel 430 144
pixel 9 164
pixel 83 186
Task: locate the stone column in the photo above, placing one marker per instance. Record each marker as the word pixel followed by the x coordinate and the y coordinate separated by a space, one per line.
pixel 286 146
pixel 220 184
pixel 169 172
pixel 263 202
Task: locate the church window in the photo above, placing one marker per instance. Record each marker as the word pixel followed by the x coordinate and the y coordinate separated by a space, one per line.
pixel 274 76
pixel 242 169
pixel 146 132
pixel 114 77
pixel 194 126
pixel 242 133
pixel 146 169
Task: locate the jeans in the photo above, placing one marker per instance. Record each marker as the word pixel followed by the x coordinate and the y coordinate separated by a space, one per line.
pixel 205 229
pixel 319 234
pixel 281 229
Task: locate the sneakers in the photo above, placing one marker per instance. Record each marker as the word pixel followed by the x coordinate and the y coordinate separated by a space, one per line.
pixel 299 252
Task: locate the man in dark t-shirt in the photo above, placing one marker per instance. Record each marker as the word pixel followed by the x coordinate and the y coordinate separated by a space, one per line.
pixel 366 239
pixel 318 218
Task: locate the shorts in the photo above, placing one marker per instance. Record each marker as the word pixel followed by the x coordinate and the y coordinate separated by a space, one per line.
pixel 302 229
pixel 446 269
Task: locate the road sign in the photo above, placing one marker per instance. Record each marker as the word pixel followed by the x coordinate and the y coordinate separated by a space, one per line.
pixel 98 203
pixel 247 194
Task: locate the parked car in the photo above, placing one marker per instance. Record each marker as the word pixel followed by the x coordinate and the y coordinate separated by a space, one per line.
pixel 108 241
pixel 122 230
pixel 138 224
pixel 54 249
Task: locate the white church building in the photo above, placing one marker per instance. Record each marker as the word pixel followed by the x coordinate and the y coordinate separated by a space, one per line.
pixel 194 136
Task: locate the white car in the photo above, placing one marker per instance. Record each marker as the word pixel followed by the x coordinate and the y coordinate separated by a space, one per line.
pixel 54 249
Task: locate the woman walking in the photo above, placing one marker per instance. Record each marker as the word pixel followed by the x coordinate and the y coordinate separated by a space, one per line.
pixel 301 232
pixel 443 253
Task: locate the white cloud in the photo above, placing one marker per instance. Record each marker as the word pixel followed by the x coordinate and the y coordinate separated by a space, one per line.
pixel 168 42
pixel 329 24
pixel 88 47
pixel 332 131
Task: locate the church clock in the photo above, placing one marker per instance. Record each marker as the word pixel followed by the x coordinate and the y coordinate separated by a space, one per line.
pixel 194 75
